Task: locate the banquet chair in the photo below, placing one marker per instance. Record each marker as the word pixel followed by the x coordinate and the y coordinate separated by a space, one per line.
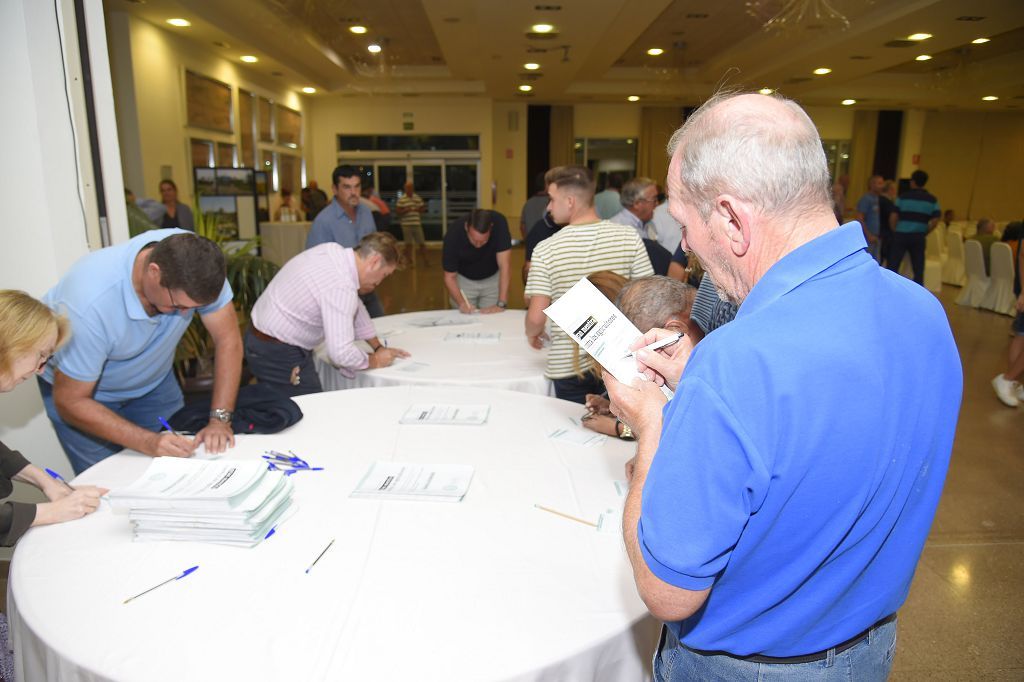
pixel 977 281
pixel 999 295
pixel 953 268
pixel 936 246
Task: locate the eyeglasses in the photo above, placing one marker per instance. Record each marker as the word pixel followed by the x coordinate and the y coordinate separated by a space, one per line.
pixel 175 306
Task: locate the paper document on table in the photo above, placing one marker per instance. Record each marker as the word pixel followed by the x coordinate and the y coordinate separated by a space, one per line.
pixel 449 320
pixel 592 321
pixel 578 436
pixel 461 415
pixel 473 337
pixel 397 481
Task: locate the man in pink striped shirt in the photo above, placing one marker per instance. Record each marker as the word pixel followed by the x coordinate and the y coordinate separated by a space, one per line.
pixel 314 299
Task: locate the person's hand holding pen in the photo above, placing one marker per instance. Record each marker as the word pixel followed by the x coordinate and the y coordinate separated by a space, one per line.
pixel 597 404
pixel 170 443
pixel 66 502
pixel 665 365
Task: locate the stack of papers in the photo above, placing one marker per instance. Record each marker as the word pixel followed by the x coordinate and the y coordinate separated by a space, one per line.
pixel 421 482
pixel 462 415
pixel 223 501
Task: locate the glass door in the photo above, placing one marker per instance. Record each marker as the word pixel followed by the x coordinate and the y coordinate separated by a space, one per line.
pixel 427 181
pixel 460 190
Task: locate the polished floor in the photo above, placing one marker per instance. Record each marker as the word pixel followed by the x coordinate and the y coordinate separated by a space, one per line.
pixel 964 619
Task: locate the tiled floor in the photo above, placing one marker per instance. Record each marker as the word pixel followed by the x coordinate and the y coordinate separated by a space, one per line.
pixel 964 619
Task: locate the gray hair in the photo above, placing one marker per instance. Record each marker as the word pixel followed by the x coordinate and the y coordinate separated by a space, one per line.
pixel 649 301
pixel 777 163
pixel 633 190
pixel 985 225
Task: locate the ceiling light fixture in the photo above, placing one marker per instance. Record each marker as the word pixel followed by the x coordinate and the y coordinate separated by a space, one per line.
pixel 766 91
pixel 180 23
pixel 848 102
pixel 980 41
pixel 374 48
pixel 532 66
pixel 919 36
pixel 542 28
pixel 525 88
pixel 308 90
pixel 990 98
pixel 249 59
pixel 357 29
pixel 822 71
pixel 629 140
pixel 633 98
pixel 655 51
pixel 922 57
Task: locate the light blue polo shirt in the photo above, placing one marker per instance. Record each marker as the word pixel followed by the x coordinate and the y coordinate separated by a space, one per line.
pixel 802 458
pixel 113 341
pixel 332 224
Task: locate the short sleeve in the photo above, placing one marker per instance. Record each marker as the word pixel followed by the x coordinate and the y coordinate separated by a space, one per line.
pixel 864 205
pixel 538 282
pixel 450 252
pixel 85 354
pixel 502 237
pixel 225 297
pixel 705 481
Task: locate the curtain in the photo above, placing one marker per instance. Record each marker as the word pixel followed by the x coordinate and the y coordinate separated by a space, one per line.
pixel 656 127
pixel 562 138
pixel 862 154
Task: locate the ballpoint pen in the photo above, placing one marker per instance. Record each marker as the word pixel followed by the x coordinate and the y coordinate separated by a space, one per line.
pixel 667 341
pixel 57 477
pixel 320 555
pixel 184 573
pixel 166 425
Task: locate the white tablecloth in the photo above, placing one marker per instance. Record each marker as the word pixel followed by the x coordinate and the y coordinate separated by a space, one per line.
pixel 441 359
pixel 487 589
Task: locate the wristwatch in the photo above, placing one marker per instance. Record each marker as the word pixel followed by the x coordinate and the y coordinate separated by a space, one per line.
pixel 502 304
pixel 221 415
pixel 626 433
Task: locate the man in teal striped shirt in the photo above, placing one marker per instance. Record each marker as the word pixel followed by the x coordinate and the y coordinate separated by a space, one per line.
pixel 917 212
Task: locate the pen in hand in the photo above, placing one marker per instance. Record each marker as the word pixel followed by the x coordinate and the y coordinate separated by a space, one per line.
pixel 57 477
pixel 663 343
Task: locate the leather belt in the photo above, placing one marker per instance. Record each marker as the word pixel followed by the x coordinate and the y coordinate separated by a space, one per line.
pixel 808 658
pixel 264 337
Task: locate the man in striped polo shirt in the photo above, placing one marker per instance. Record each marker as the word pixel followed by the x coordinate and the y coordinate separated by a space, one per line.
pixel 917 213
pixel 585 245
pixel 410 207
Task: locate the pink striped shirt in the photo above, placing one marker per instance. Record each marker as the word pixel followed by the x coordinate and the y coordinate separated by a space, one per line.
pixel 315 299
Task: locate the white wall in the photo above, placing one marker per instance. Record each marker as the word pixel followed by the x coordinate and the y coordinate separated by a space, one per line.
pixel 606 120
pixel 833 123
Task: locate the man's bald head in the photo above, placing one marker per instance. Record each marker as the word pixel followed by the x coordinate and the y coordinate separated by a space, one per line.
pixel 759 148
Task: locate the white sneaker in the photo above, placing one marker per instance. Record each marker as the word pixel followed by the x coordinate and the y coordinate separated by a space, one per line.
pixel 1006 390
pixel 1019 391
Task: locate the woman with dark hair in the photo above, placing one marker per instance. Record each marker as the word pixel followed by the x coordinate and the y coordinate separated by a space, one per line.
pixel 29 334
pixel 176 214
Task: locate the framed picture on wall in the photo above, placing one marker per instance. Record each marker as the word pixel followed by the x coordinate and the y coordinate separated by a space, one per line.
pixel 235 181
pixel 206 182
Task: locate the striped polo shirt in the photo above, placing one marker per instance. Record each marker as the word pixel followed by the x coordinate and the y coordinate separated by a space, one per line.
pixel 916 208
pixel 412 218
pixel 574 252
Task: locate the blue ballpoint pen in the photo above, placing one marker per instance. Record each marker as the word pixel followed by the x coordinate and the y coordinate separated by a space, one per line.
pixel 184 573
pixel 166 425
pixel 57 477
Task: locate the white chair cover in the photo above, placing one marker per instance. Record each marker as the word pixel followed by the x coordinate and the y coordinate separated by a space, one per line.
pixel 977 281
pixel 935 246
pixel 999 296
pixel 953 268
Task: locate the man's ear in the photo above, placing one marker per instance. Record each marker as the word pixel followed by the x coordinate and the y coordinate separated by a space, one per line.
pixel 735 218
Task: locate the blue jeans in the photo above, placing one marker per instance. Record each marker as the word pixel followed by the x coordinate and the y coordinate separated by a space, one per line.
pixel 84 450
pixel 575 389
pixel 272 363
pixel 867 661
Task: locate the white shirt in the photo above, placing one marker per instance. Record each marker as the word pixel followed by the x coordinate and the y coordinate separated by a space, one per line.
pixel 669 231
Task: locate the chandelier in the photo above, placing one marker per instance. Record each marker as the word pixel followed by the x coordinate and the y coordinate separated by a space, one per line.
pixel 787 15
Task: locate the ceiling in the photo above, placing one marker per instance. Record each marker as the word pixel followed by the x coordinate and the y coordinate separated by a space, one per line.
pixel 598 50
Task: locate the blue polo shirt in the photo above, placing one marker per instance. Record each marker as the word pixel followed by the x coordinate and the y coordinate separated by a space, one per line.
pixel 333 225
pixel 802 458
pixel 113 341
pixel 916 208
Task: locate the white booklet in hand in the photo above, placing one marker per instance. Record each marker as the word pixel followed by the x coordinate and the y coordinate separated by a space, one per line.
pixel 397 481
pixel 446 414
pixel 592 321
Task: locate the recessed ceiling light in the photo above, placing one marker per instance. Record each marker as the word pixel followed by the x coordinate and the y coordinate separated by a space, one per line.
pixel 822 71
pixel 766 91
pixel 629 140
pixel 848 102
pixel 542 28
pixel 249 59
pixel 655 51
pixel 357 29
pixel 922 57
pixel 525 88
pixel 181 23
pixel 979 41
pixel 633 98
pixel 308 90
pixel 990 98
pixel 532 66
pixel 919 36
pixel 374 48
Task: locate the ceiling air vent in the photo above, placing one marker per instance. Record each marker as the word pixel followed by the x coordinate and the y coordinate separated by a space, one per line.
pixel 901 43
pixel 969 18
pixel 797 79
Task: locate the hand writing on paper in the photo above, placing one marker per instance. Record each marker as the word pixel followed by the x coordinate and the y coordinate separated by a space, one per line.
pixel 663 366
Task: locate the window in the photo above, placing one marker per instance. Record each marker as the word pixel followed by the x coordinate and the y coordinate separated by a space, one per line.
pixel 247 126
pixel 208 102
pixel 395 143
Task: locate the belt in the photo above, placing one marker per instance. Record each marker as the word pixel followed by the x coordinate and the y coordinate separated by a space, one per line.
pixel 264 337
pixel 808 658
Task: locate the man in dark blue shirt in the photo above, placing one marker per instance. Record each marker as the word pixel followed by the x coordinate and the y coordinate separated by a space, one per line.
pixel 917 213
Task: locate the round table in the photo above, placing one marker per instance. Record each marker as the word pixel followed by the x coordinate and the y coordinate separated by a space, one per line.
pixel 487 351
pixel 490 588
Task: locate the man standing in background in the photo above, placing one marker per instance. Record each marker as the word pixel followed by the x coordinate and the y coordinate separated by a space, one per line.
pixel 409 207
pixel 868 215
pixel 606 202
pixel 917 213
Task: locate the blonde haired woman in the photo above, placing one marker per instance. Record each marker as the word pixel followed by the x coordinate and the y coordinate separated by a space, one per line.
pixel 29 334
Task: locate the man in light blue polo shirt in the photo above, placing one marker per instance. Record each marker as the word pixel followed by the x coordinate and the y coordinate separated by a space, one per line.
pixel 779 503
pixel 346 220
pixel 129 305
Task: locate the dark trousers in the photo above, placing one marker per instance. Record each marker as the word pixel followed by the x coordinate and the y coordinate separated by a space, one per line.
pixel 287 368
pixel 912 243
pixel 575 389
